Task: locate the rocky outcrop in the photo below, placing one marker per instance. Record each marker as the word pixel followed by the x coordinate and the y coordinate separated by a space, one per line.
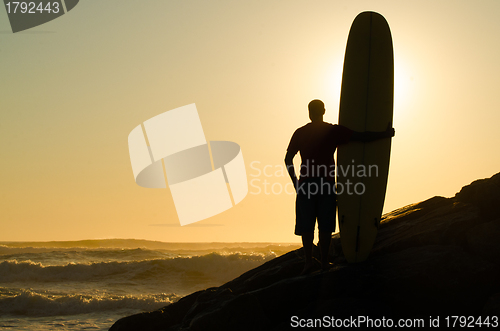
pixel 439 257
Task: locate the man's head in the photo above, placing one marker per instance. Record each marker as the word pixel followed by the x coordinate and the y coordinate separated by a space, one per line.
pixel 316 110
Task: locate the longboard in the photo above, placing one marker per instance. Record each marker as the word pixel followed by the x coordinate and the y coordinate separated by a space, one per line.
pixel 366 104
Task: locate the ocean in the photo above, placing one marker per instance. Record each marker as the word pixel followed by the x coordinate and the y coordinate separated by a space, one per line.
pixel 88 285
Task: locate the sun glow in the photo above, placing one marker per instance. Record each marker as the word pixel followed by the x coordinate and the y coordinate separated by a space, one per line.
pixel 333 83
pixel 402 85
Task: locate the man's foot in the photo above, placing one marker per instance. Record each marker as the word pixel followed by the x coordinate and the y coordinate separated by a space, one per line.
pixel 326 266
pixel 310 267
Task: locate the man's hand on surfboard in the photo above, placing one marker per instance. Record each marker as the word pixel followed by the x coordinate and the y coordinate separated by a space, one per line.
pixel 368 136
pixel 390 132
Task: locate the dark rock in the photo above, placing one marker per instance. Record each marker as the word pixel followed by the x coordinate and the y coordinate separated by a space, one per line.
pixel 438 257
pixel 243 312
pixel 492 307
pixel 484 240
pixel 484 194
pixel 160 319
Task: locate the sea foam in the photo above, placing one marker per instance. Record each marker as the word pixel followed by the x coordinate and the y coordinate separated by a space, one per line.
pixel 28 302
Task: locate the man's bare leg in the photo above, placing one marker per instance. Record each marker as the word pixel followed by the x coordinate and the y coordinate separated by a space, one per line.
pixel 324 243
pixel 307 243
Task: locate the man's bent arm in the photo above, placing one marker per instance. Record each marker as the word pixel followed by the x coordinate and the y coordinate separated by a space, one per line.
pixel 290 168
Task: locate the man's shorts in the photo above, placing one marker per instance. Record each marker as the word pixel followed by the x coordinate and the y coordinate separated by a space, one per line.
pixel 316 199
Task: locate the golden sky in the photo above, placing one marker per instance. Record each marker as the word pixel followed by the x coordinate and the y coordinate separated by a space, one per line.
pixel 71 90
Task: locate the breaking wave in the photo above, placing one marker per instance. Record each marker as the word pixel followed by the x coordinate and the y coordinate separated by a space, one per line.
pixel 210 265
pixel 28 302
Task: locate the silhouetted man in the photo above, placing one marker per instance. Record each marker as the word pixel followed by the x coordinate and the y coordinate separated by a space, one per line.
pixel 316 198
